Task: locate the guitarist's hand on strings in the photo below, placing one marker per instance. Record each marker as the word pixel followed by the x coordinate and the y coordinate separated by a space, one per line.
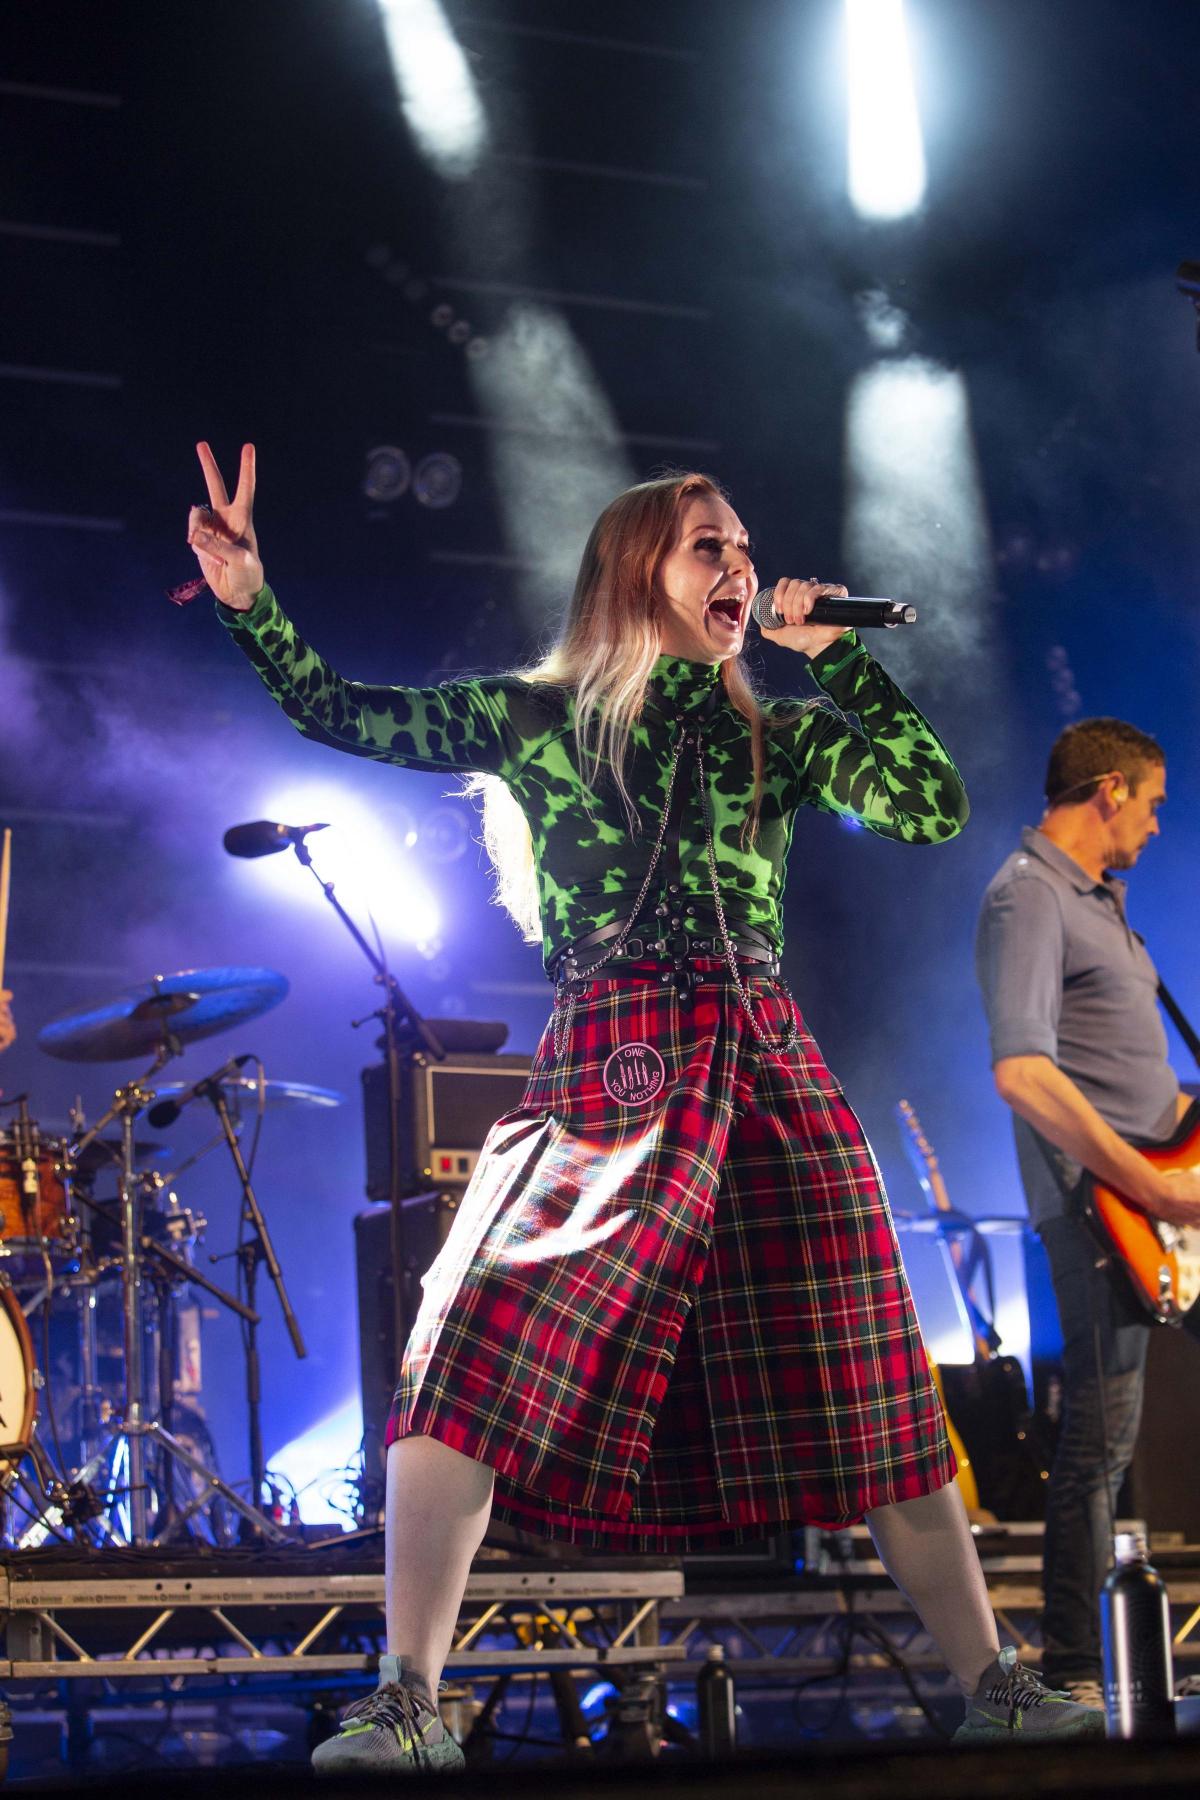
pixel 1039 1092
pixel 1179 1201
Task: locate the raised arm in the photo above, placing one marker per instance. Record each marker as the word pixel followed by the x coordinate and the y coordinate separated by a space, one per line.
pixel 881 762
pixel 464 725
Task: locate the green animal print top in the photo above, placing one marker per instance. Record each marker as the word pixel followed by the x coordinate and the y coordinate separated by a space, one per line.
pixel 874 758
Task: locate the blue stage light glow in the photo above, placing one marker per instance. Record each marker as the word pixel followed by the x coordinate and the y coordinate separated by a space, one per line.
pixel 366 853
pixel 595 1697
pixel 320 1466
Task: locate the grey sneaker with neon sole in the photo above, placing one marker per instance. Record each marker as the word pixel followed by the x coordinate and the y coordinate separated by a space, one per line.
pixel 1013 1705
pixel 395 1729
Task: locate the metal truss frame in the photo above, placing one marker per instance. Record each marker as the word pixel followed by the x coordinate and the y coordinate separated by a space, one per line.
pixel 863 1624
pixel 113 1623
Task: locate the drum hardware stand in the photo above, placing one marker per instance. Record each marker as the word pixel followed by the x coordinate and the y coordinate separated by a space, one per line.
pixel 45 1490
pixel 397 1007
pixel 135 1430
pixel 254 1249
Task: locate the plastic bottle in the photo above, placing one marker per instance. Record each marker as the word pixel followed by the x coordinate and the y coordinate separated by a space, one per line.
pixel 716 1705
pixel 1135 1623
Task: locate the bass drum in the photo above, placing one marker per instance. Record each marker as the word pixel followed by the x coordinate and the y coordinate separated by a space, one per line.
pixel 18 1394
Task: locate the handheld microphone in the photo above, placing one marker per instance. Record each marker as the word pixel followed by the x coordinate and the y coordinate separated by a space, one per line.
pixel 836 609
pixel 263 837
pixel 167 1111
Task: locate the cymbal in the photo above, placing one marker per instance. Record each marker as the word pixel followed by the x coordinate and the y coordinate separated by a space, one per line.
pixel 278 1093
pixel 945 1224
pixel 192 1004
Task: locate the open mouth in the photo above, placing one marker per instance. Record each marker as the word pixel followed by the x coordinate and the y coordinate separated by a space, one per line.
pixel 728 610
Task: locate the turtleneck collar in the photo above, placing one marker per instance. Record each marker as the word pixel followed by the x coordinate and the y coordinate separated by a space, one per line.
pixel 682 683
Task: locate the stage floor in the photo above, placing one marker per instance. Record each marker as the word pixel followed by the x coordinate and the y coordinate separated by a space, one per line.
pixel 135 1659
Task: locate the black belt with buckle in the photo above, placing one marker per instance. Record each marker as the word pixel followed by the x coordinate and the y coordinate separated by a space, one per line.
pixel 671 952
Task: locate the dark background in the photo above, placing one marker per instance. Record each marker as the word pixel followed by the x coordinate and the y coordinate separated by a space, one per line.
pixel 214 221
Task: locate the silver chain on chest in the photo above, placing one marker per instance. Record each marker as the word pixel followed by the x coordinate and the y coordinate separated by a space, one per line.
pixel 564 1015
pixel 792 1033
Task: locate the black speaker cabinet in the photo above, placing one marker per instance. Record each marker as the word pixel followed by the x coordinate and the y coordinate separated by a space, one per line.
pixel 446 1111
pixel 427 1221
pixel 1164 1482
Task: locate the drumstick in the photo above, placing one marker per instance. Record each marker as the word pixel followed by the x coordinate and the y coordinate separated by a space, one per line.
pixel 5 875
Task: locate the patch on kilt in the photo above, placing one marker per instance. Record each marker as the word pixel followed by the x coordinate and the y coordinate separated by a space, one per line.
pixel 634 1074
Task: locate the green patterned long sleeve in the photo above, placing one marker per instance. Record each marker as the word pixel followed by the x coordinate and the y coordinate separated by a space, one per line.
pixel 874 758
pixel 897 777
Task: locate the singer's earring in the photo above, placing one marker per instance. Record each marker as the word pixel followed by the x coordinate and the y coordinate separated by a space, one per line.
pixel 1120 795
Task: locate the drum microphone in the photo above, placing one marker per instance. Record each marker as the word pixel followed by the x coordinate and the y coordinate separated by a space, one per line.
pixel 27 1140
pixel 263 837
pixel 167 1111
pixel 836 609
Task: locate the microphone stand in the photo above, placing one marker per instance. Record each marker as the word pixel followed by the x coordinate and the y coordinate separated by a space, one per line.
pixel 136 1429
pixel 258 1248
pixel 397 1007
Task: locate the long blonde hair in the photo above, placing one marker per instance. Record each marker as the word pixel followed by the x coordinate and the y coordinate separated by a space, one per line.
pixel 609 642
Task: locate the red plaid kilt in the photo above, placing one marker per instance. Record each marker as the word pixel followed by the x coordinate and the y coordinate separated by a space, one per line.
pixel 671 1312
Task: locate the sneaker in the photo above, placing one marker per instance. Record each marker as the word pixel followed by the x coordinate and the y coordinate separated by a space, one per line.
pixel 395 1728
pixel 1011 1702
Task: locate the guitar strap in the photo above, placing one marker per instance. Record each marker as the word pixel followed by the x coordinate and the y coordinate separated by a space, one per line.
pixel 1175 1012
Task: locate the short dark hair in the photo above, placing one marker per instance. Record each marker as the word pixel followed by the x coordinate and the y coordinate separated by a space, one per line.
pixel 1092 748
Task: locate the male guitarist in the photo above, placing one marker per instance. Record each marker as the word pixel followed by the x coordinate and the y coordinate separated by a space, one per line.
pixel 1079 1052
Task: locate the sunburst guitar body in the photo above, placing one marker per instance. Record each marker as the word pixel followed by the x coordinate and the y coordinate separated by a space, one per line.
pixel 1161 1261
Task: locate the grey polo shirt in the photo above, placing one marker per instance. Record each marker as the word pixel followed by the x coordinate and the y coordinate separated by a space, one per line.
pixel 1063 976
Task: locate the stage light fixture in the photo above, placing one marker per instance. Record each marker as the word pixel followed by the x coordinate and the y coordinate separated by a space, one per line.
pixel 437 480
pixel 886 158
pixel 387 473
pixel 436 90
pixel 444 834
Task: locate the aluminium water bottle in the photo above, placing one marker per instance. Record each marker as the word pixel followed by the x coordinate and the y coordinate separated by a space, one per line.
pixel 716 1705
pixel 1135 1622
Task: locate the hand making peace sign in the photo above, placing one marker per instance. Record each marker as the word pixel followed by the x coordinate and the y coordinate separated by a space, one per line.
pixel 222 533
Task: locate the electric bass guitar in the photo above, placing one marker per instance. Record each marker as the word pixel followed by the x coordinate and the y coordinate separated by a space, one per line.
pixel 994 1435
pixel 1161 1261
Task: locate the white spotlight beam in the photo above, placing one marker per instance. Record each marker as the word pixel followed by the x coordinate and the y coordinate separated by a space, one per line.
pixel 437 94
pixel 915 515
pixel 886 165
pixel 557 448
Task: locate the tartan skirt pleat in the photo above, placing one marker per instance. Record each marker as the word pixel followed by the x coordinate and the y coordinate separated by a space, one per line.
pixel 671 1312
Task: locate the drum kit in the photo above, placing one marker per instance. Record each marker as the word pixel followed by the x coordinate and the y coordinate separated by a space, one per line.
pixel 98 1251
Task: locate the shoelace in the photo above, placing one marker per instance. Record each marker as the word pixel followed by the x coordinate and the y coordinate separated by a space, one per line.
pixel 395 1706
pixel 1020 1688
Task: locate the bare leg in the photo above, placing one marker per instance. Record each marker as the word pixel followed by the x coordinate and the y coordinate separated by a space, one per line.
pixel 438 1505
pixel 926 1547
